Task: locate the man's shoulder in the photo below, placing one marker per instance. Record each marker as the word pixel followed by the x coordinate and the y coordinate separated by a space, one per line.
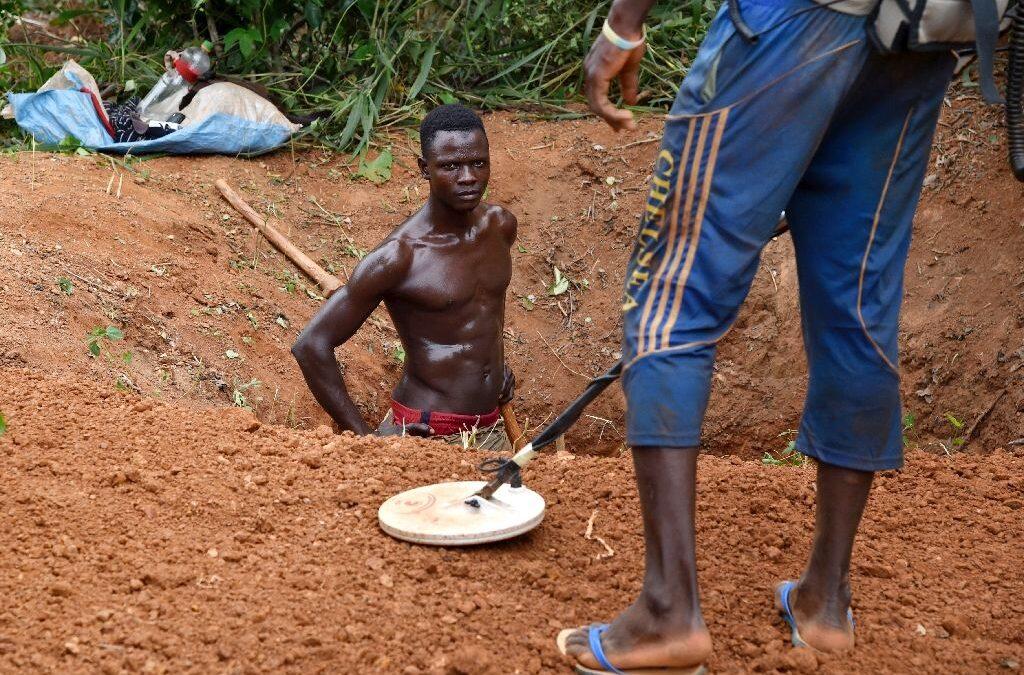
pixel 498 216
pixel 393 255
pixel 496 213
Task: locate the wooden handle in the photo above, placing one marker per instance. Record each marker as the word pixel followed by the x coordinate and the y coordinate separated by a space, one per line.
pixel 328 282
pixel 515 432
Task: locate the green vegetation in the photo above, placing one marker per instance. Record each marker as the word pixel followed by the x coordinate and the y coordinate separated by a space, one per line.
pixel 367 64
pixel 238 393
pixel 3 424
pixel 99 336
pixel 956 438
pixel 908 427
pixel 789 456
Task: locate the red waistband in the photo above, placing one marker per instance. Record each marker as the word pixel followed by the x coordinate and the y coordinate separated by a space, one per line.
pixel 443 423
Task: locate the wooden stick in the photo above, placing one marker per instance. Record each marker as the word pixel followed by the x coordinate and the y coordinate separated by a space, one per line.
pixel 512 426
pixel 328 282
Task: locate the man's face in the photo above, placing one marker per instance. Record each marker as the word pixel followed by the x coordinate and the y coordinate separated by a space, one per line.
pixel 458 166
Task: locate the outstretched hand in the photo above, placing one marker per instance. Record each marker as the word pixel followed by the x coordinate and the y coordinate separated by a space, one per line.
pixel 604 63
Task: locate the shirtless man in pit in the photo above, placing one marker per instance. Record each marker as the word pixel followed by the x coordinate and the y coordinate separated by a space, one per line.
pixel 442 274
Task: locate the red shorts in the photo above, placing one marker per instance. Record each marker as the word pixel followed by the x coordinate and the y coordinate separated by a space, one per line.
pixel 443 423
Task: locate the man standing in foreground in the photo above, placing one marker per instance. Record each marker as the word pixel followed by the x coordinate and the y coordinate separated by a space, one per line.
pixel 442 274
pixel 806 119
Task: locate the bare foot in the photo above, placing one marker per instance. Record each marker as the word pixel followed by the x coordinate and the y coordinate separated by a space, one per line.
pixel 824 626
pixel 642 638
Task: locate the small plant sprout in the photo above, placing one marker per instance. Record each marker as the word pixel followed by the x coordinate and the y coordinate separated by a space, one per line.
pixel 238 396
pixel 3 424
pixel 789 456
pixel 398 353
pixel 560 285
pixel 99 335
pixel 956 439
pixel 65 285
pixel 908 427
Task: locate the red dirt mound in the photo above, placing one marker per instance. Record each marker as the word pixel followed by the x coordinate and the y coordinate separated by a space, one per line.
pixel 209 310
pixel 141 536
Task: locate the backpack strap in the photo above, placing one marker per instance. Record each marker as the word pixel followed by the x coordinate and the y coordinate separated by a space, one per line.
pixel 986 31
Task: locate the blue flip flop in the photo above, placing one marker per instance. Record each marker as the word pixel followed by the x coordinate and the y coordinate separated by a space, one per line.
pixel 782 592
pixel 594 633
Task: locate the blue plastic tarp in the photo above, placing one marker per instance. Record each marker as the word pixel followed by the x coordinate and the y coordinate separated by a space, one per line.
pixel 53 116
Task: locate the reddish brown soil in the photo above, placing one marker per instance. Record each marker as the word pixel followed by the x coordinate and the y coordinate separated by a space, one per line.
pixel 115 499
pixel 139 537
pixel 172 265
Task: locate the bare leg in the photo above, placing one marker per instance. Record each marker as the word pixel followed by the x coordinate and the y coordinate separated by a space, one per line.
pixel 664 626
pixel 822 597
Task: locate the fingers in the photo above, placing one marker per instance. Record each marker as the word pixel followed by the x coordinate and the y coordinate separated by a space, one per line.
pixel 629 77
pixel 597 97
pixel 604 63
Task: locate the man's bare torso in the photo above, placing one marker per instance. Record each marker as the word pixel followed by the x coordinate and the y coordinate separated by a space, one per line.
pixel 449 310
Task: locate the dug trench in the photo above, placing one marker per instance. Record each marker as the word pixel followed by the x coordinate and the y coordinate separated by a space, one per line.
pixel 177 502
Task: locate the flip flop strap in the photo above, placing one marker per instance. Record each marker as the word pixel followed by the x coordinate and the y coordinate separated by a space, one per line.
pixel 594 637
pixel 784 592
pixel 787 614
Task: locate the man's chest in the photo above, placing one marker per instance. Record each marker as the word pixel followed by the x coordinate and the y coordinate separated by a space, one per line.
pixel 447 279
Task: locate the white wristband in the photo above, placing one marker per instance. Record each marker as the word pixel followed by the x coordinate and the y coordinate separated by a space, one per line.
pixel 622 43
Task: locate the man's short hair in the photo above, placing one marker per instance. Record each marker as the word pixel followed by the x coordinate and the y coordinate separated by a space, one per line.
pixel 450 117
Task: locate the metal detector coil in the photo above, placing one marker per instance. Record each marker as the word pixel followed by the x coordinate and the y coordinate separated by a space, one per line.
pixel 438 514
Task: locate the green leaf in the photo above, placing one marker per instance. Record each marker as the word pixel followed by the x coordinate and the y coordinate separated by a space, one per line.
pixel 66 286
pixel 364 51
pixel 314 14
pixel 528 303
pixel 521 248
pixel 94 348
pixel 114 333
pixel 379 170
pixel 957 424
pixel 560 285
pixel 245 38
pixel 126 357
pixel 354 115
pixel 398 354
pixel 421 78
pixel 3 424
pixel 366 8
pixel 446 97
pixel 277 29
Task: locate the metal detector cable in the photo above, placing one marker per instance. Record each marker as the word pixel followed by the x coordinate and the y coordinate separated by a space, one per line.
pixel 1015 92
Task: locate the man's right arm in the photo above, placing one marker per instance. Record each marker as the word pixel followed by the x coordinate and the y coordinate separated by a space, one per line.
pixel 338 320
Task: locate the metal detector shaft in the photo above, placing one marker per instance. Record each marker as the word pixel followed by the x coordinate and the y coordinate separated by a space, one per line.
pixel 511 467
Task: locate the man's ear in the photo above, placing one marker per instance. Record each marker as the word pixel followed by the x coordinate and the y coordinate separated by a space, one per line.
pixel 423 168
